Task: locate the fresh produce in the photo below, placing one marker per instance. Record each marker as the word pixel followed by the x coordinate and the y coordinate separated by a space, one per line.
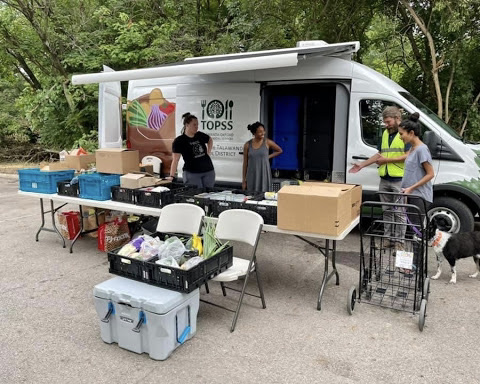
pixel 211 244
pixel 197 244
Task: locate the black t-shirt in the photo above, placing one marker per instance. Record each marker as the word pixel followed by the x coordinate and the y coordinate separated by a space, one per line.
pixel 194 152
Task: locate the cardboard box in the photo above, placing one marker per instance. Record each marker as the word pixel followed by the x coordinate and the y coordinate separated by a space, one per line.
pixel 117 160
pixel 137 180
pixel 147 168
pixel 56 166
pixel 315 207
pixel 80 161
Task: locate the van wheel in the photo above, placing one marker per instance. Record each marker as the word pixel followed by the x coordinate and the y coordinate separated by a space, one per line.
pixel 451 215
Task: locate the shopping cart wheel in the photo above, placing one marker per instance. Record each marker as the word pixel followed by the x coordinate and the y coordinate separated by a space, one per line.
pixel 426 288
pixel 422 314
pixel 352 299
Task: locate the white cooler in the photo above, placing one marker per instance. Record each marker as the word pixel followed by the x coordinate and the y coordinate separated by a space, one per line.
pixel 144 318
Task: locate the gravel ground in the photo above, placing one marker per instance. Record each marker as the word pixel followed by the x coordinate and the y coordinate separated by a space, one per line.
pixel 50 330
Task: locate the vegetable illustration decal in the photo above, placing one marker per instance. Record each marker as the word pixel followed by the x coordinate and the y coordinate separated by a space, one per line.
pixel 150 111
pixel 157 118
pixel 137 115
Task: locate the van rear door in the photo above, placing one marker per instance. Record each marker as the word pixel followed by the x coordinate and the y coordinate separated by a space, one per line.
pixel 109 113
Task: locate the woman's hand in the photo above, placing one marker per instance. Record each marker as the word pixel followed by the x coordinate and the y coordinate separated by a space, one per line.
pixel 407 191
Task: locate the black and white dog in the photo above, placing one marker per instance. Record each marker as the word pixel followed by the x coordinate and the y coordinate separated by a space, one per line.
pixel 453 247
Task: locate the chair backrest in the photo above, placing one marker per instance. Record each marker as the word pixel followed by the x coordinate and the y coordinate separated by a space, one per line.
pixel 181 218
pixel 239 225
pixel 153 160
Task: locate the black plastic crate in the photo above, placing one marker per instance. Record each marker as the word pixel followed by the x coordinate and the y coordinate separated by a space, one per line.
pixel 193 196
pixel 126 267
pixel 134 268
pixel 277 184
pixel 177 279
pixel 218 206
pixel 66 188
pixel 268 212
pixel 198 197
pixel 147 198
pixel 168 277
pixel 123 195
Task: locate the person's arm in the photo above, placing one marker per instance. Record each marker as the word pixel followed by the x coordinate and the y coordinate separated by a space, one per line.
pixel 209 145
pixel 400 159
pixel 358 166
pixel 173 167
pixel 429 175
pixel 276 149
pixel 245 164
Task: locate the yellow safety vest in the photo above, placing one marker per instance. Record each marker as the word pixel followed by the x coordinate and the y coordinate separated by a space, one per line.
pixel 396 149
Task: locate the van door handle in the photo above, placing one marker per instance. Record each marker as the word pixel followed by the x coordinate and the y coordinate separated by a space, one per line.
pixel 361 157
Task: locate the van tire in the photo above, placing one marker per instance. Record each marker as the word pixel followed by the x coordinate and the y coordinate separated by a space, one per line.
pixel 456 214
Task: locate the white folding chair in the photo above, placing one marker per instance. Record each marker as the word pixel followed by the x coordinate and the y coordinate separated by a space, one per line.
pixel 243 226
pixel 181 218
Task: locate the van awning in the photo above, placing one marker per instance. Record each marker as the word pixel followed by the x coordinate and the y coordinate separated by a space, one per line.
pixel 187 69
pixel 308 48
pixel 248 61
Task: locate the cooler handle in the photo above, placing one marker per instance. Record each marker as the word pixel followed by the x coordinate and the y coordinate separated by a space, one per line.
pixel 141 320
pixel 186 331
pixel 111 311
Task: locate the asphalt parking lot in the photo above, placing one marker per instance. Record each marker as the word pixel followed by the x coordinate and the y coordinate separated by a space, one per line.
pixel 50 330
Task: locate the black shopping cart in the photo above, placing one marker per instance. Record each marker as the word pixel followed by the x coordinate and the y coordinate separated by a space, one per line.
pixel 393 255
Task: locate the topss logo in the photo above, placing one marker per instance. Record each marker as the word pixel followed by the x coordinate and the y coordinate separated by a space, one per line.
pixel 220 112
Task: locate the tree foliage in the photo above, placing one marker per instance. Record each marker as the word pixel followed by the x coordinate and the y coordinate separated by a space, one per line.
pixel 429 47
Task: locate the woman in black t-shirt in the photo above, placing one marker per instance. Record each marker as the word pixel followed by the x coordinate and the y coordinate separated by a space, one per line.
pixel 195 148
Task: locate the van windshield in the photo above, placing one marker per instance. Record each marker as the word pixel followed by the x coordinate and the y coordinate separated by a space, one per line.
pixel 422 107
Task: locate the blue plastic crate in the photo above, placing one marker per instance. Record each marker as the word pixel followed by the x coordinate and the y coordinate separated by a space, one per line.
pixel 34 180
pixel 96 186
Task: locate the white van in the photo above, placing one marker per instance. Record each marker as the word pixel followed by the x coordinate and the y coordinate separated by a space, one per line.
pixel 321 107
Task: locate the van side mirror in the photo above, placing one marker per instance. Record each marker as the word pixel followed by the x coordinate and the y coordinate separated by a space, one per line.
pixel 439 149
pixel 433 142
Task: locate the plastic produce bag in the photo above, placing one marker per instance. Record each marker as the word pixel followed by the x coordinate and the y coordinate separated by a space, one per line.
pixel 148 250
pixel 168 262
pixel 171 247
pixel 127 250
pixel 190 263
pixel 160 189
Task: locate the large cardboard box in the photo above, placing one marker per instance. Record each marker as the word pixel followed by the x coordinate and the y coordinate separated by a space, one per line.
pixel 56 166
pixel 137 180
pixel 79 162
pixel 315 207
pixel 117 160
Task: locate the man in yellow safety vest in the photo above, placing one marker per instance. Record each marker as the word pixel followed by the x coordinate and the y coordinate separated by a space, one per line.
pixel 390 158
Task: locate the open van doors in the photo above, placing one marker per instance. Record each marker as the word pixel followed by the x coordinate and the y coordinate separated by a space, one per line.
pixel 109 113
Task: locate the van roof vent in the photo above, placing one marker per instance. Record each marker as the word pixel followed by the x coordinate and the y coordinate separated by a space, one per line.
pixel 311 43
